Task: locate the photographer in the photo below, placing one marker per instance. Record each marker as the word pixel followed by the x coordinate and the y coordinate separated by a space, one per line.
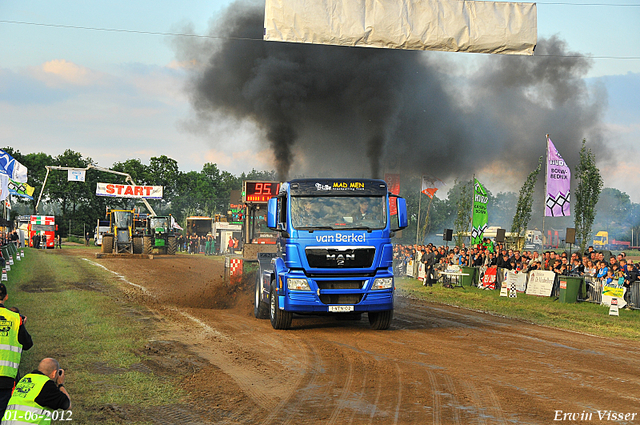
pixel 38 394
pixel 13 340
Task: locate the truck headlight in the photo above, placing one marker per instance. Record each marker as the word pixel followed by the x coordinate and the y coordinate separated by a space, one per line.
pixel 298 284
pixel 382 283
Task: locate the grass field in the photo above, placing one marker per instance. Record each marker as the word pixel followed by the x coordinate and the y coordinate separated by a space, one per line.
pixel 581 317
pixel 76 316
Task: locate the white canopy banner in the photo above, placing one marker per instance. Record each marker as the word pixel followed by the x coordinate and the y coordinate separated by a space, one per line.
pixel 446 25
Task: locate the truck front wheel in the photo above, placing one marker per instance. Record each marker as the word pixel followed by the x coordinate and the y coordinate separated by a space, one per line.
pixel 280 319
pixel 172 245
pixel 260 308
pixel 380 320
pixel 147 247
pixel 107 244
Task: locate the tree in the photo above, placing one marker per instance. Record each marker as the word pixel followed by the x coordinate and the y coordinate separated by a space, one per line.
pixel 587 193
pixel 463 217
pixel 525 202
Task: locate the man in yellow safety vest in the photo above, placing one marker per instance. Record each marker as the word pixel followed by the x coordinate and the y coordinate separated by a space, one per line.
pixel 14 338
pixel 37 395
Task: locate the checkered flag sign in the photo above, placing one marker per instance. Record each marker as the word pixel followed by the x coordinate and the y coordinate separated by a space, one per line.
pixel 558 182
pixel 476 233
pixel 512 290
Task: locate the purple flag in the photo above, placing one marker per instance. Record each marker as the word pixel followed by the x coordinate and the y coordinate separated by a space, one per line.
pixel 558 184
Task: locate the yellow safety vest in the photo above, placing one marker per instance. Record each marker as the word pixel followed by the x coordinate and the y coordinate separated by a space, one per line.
pixel 10 348
pixel 22 408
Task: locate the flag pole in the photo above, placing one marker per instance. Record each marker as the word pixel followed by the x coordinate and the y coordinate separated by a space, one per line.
pixel 544 197
pixel 419 205
pixel 426 217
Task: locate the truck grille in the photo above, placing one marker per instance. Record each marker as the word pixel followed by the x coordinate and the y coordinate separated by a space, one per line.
pixel 340 298
pixel 324 258
pixel 339 284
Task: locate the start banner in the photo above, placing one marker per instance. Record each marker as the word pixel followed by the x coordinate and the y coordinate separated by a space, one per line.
pixel 128 191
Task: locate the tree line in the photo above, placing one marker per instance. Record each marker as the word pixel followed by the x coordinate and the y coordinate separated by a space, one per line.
pixel 207 192
pixel 76 206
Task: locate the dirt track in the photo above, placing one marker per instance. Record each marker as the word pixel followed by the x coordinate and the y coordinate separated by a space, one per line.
pixel 435 365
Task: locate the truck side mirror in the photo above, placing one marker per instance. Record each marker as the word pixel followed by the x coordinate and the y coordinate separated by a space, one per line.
pixel 403 220
pixel 272 213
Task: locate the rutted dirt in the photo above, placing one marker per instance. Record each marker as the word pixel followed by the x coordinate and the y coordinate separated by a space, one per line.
pixel 436 364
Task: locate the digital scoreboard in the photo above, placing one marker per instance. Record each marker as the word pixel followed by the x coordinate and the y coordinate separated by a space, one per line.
pixel 259 192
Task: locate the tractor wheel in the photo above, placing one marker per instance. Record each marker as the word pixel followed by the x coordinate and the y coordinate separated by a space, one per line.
pixel 172 245
pixel 137 245
pixel 380 320
pixel 107 244
pixel 260 308
pixel 147 248
pixel 280 319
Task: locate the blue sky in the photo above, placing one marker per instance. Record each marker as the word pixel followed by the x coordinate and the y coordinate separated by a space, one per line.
pixel 119 95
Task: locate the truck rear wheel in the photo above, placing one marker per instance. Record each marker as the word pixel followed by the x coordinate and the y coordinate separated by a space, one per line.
pixel 172 245
pixel 107 244
pixel 260 308
pixel 147 248
pixel 137 245
pixel 280 319
pixel 380 320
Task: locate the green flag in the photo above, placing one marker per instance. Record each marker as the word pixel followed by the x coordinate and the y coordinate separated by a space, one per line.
pixel 480 216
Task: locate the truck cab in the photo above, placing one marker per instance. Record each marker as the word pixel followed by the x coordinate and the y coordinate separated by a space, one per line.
pixel 601 240
pixel 334 252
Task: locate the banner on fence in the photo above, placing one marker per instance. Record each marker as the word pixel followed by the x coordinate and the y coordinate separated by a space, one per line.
pixel 613 291
pixel 517 279
pixel 421 271
pixel 410 268
pixel 489 278
pixel 540 283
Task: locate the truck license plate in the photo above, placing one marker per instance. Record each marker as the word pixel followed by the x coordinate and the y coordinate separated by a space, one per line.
pixel 340 308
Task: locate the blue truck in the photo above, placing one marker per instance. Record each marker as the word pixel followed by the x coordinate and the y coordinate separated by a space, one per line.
pixel 334 252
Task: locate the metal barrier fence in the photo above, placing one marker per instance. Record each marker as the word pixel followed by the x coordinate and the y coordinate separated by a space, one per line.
pixel 594 289
pixel 634 296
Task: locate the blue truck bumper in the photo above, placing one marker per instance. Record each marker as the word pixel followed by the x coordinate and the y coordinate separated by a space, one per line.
pixel 309 302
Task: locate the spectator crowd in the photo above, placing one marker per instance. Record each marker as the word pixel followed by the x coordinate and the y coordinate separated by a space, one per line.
pixel 615 270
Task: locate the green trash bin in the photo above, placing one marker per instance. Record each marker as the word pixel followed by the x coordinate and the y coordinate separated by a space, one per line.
pixel 468 280
pixel 569 288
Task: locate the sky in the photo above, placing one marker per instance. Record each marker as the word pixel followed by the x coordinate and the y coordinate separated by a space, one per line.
pixel 68 82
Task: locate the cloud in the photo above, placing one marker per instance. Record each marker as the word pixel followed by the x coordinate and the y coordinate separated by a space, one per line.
pixel 60 72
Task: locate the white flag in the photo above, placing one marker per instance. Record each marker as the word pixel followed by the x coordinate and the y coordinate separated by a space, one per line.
pixel 4 187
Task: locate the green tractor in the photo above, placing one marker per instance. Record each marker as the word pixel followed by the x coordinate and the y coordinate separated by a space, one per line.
pixel 159 236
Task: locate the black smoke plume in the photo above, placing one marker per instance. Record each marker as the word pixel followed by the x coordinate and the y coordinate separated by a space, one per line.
pixel 347 111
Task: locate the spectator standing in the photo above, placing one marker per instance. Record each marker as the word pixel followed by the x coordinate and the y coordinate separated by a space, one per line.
pixel 13 341
pixel 86 238
pixel 429 260
pixel 40 391
pixel 59 240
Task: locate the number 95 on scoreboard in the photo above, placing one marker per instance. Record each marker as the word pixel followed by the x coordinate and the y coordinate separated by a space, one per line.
pixel 259 192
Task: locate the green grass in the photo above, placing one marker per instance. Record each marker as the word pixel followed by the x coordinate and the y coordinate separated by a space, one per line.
pixel 75 316
pixel 582 317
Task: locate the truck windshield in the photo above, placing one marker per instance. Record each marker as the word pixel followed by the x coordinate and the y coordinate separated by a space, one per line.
pixel 122 219
pixel 43 227
pixel 159 222
pixel 338 212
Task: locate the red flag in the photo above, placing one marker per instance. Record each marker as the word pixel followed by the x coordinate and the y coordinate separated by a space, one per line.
pixel 430 185
pixel 393 184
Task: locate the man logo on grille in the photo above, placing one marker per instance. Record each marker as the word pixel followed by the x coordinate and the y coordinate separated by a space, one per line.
pixel 341 258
